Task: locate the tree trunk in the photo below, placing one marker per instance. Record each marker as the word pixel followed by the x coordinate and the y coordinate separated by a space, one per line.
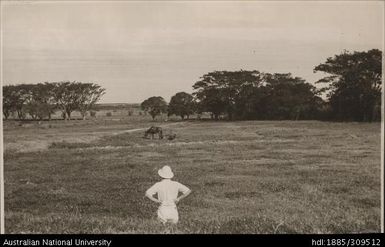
pixel 364 117
pixel 375 111
pixel 230 115
pixel 20 114
pixel 297 115
pixel 374 115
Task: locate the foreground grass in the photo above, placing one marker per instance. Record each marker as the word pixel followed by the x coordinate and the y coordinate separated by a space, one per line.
pixel 246 177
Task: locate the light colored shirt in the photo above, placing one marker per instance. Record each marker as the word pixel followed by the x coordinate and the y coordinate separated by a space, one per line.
pixel 167 191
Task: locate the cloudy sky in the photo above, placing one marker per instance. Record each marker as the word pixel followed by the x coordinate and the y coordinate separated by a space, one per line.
pixel 141 49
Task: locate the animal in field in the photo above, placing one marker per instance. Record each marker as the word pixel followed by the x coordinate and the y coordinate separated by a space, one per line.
pixel 171 137
pixel 152 131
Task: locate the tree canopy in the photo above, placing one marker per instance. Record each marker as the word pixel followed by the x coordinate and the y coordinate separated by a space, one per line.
pixel 154 106
pixel 42 99
pixel 181 104
pixel 255 95
pixel 89 95
pixel 353 85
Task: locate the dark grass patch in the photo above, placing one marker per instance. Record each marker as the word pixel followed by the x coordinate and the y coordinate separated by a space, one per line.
pixel 337 190
pixel 214 183
pixel 366 202
pixel 202 160
pixel 236 225
pixel 240 194
pixel 69 145
pixel 275 187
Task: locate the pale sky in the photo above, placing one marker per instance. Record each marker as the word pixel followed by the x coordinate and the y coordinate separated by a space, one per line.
pixel 141 49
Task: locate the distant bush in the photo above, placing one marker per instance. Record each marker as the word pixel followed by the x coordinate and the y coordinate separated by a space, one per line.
pixel 93 113
pixel 129 113
pixel 108 114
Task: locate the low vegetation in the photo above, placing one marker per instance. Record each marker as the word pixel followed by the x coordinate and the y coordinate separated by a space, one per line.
pixel 246 177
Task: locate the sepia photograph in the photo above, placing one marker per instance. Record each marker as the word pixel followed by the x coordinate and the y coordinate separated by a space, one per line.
pixel 191 117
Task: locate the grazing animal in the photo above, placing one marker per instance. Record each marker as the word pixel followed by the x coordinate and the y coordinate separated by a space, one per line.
pixel 171 137
pixel 153 130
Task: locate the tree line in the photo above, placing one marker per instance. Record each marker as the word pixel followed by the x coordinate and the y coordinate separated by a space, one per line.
pixel 41 100
pixel 352 86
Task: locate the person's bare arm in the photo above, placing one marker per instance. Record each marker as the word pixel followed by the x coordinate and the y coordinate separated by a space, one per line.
pixel 152 198
pixel 183 196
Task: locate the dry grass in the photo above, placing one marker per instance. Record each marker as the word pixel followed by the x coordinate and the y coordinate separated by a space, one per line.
pixel 34 136
pixel 246 177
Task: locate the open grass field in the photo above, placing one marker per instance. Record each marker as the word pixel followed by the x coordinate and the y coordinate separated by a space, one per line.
pixel 246 177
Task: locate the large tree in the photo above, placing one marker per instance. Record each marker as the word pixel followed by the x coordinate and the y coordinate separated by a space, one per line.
pixel 354 84
pixel 255 95
pixel 42 102
pixel 66 97
pixel 154 106
pixel 181 104
pixel 89 94
pixel 15 98
pixel 76 96
pixel 34 99
pixel 290 97
pixel 211 100
pixel 9 100
pixel 219 91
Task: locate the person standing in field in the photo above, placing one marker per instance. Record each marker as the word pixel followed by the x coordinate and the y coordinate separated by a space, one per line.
pixel 167 195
